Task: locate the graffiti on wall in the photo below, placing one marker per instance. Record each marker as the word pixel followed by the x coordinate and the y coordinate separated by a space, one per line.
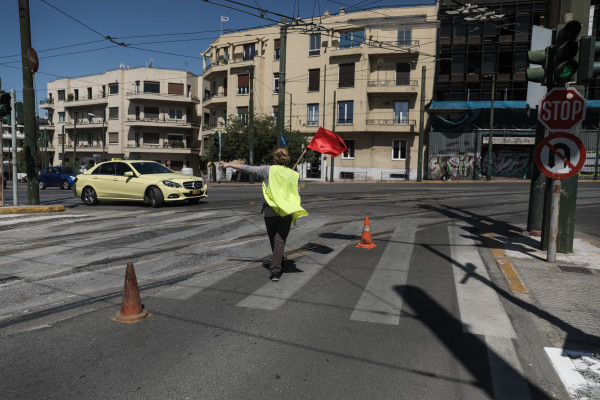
pixel 513 164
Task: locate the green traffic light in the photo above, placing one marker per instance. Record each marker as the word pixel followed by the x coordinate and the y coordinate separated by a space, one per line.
pixel 565 72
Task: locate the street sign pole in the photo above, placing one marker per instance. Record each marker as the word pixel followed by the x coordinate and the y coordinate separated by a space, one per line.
pixel 554 212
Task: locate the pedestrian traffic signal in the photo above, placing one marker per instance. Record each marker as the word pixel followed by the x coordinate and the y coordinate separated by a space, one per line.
pixel 588 67
pixel 544 58
pixel 566 48
pixel 5 108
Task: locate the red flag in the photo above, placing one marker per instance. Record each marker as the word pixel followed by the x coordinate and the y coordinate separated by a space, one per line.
pixel 327 142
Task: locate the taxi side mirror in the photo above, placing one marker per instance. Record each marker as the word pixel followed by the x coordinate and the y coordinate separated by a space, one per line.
pixel 129 174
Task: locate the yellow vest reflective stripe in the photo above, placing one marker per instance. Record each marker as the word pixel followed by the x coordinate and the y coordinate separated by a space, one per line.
pixel 282 193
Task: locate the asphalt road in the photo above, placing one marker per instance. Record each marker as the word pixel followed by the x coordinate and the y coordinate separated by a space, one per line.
pixel 343 322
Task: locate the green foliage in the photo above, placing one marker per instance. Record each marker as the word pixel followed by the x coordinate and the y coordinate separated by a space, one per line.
pixel 22 164
pixel 236 141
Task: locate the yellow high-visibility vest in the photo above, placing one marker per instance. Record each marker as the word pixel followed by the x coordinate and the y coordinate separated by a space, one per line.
pixel 282 194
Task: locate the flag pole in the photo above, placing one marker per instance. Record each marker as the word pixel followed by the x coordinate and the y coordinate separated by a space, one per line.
pixel 301 155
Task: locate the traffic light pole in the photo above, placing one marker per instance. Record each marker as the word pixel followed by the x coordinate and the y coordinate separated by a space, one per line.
pixel 421 127
pixel 13 127
pixel 251 124
pixel 33 193
pixel 281 98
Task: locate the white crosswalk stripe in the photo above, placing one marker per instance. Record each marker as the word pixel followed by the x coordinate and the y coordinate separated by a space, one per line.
pixel 380 302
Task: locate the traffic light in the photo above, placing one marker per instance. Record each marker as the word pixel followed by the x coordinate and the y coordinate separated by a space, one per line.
pixel 545 58
pixel 5 108
pixel 566 48
pixel 588 67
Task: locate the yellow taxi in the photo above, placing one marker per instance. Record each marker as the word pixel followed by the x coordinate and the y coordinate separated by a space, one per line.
pixel 142 181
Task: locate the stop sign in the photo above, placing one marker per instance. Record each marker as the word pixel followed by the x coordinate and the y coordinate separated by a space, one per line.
pixel 562 109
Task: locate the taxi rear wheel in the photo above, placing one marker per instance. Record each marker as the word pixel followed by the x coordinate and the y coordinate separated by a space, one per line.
pixel 155 197
pixel 89 196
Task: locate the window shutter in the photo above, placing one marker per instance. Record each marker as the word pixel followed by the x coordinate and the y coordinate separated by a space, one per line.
pixel 176 88
pixel 346 75
pixel 313 79
pixel 243 80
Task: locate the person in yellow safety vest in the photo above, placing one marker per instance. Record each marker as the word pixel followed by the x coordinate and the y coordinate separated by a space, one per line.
pixel 282 202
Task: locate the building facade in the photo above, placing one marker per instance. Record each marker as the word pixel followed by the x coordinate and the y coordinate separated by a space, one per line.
pixel 359 74
pixel 139 113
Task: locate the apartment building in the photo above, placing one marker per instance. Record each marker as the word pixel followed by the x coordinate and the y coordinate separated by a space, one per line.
pixel 138 113
pixel 358 73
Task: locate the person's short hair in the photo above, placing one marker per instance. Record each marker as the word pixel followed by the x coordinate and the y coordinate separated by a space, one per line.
pixel 281 156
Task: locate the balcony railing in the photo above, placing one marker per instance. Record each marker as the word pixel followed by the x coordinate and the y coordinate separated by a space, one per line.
pixel 393 121
pixel 72 98
pixel 169 96
pixel 393 82
pixel 395 43
pixel 48 101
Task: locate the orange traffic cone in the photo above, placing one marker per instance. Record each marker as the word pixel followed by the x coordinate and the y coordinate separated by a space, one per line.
pixel 365 240
pixel 132 309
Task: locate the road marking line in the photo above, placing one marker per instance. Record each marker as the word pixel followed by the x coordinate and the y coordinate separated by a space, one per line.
pixel 272 296
pixel 380 302
pixel 514 282
pixel 480 308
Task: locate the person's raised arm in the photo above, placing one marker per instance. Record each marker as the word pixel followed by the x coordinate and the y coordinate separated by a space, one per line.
pixel 223 165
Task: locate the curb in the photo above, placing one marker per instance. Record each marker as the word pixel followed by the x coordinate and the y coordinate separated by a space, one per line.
pixel 31 209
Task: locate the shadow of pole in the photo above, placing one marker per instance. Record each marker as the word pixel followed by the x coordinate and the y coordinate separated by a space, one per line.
pixel 466 348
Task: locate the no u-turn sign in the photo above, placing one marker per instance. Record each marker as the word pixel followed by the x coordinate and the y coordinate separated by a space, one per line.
pixel 560 155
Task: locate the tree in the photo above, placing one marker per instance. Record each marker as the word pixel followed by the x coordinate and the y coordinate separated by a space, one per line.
pixel 235 142
pixel 22 164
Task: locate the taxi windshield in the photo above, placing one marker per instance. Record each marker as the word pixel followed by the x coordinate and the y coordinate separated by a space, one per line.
pixel 146 168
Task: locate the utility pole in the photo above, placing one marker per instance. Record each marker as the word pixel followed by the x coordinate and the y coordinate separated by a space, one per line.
pixel 62 161
pixel 103 134
pixel 13 127
pixel 333 130
pixel 33 191
pixel 282 56
pixel 76 114
pixel 491 134
pixel 251 123
pixel 421 127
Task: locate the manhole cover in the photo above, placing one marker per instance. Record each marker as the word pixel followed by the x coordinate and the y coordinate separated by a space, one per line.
pixel 579 270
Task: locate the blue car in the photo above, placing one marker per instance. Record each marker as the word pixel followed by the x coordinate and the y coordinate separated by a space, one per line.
pixel 61 177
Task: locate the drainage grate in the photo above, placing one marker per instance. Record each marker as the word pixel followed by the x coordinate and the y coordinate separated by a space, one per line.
pixel 579 270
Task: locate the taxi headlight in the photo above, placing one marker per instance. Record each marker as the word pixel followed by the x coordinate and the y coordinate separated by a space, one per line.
pixel 171 184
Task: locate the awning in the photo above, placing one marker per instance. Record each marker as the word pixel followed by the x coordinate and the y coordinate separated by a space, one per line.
pixel 476 105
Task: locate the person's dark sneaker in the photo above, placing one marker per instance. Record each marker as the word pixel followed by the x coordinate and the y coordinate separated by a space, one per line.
pixel 275 277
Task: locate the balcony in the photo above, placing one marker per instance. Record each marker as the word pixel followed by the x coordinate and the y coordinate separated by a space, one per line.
pixel 47 103
pixel 392 47
pixel 215 99
pixel 158 122
pixel 168 147
pixel 341 51
pixel 393 86
pixel 391 125
pixel 214 68
pixel 92 123
pixel 83 101
pixel 166 97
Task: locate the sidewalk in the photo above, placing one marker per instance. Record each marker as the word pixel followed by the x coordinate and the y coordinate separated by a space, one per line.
pixel 12 209
pixel 566 293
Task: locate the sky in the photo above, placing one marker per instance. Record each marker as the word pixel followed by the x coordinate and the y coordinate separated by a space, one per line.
pixel 70 36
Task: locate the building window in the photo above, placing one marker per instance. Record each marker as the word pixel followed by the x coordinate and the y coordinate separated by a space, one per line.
pixel 402 74
pixel 61 95
pixel 61 116
pixel 176 88
pixel 314 80
pixel 351 39
pixel 151 113
pixel 176 113
pixel 175 140
pixel 349 154
pixel 151 137
pixel 113 88
pixel 277 44
pixel 401 112
pixel 276 82
pixel 405 37
pixel 225 117
pixel 225 56
pixel 275 113
pixel 313 115
pixel 113 137
pixel 398 149
pixel 345 112
pixel 346 78
pixel 89 92
pixel 243 84
pixel 151 87
pixel 113 113
pixel 314 47
pixel 249 51
pixel 242 114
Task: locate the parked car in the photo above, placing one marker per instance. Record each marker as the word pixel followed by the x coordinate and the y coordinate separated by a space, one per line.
pixel 62 177
pixel 142 181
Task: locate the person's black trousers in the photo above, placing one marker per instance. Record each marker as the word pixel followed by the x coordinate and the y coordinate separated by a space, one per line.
pixel 277 229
